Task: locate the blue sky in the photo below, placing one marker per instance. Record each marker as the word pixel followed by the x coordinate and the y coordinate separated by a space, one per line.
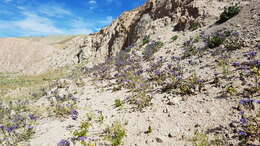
pixel 54 17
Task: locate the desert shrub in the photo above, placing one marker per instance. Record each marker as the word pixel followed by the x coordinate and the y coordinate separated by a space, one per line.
pixel 174 38
pixel 200 139
pixel 83 130
pixel 62 106
pixel 229 12
pixel 248 127
pixel 234 42
pixel 118 103
pixel 141 99
pixel 215 41
pixel 16 122
pixel 149 130
pixel 152 48
pixel 195 26
pixel 115 133
pixel 146 40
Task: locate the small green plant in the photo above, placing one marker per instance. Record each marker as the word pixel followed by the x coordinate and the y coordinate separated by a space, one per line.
pixel 174 38
pixel 100 118
pixel 149 130
pixel 62 107
pixel 141 99
pixel 118 103
pixel 186 88
pixel 146 40
pixel 200 139
pixel 224 64
pixel 115 133
pixel 194 26
pixel 215 41
pixel 229 12
pixel 83 129
pixel 230 90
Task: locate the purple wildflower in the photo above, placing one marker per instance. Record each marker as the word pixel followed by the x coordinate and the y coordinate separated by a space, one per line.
pixel 10 129
pixel 18 118
pixel 116 75
pixel 243 120
pixel 74 114
pixel 241 112
pixel 169 66
pixel 2 127
pixel 236 33
pixel 242 133
pixel 244 68
pixel 257 101
pixel 64 142
pixel 157 72
pixel 235 64
pixel 139 72
pixel 30 127
pixel 251 54
pixel 83 138
pixel 245 101
pixel 32 117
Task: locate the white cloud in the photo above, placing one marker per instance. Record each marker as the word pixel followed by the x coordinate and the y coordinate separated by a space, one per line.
pixel 92 2
pixel 53 10
pixel 34 24
pixel 48 20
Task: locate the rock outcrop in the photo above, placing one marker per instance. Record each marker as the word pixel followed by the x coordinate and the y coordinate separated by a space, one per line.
pixel 133 26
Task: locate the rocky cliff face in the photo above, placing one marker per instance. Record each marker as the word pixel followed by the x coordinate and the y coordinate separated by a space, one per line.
pixel 125 32
pixel 133 26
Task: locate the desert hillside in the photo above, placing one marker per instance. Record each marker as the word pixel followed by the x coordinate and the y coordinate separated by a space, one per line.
pixel 168 73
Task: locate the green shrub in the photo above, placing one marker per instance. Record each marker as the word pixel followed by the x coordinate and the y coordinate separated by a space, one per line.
pixel 194 26
pixel 146 40
pixel 118 103
pixel 215 41
pixel 149 130
pixel 141 99
pixel 229 13
pixel 115 133
pixel 174 38
pixel 200 139
pixel 83 129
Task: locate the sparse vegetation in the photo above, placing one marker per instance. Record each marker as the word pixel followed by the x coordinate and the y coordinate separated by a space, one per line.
pixel 174 38
pixel 195 25
pixel 83 130
pixel 229 12
pixel 201 139
pixel 215 41
pixel 17 122
pixel 115 133
pixel 118 103
pixel 146 40
pixel 149 130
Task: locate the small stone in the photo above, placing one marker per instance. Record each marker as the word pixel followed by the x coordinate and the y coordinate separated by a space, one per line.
pixel 165 110
pixel 197 125
pixel 159 140
pixel 170 135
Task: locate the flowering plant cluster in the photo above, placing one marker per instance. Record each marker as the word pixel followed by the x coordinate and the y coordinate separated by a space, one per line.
pixel 16 122
pixel 248 129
